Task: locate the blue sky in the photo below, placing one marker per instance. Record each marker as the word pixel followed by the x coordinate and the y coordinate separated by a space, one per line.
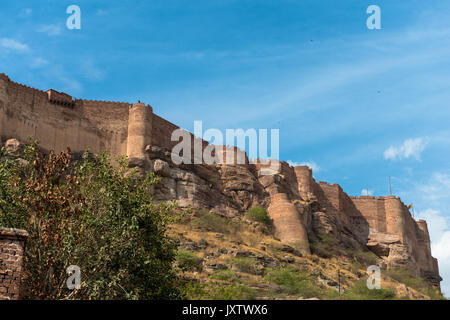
pixel 358 105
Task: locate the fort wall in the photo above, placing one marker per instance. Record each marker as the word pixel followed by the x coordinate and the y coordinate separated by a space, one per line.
pixel 12 247
pixel 56 123
pixel 304 181
pixel 373 209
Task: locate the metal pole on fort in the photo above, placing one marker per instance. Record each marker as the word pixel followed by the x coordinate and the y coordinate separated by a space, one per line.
pixel 390 186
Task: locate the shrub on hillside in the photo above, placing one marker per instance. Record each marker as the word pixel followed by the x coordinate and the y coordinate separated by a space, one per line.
pixel 92 214
pixel 420 284
pixel 326 247
pixel 209 221
pixel 217 291
pixel 293 281
pixel 245 264
pixel 225 275
pixel 258 214
pixel 188 261
pixel 360 291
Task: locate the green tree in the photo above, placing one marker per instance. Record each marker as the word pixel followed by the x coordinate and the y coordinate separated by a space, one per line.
pixel 93 213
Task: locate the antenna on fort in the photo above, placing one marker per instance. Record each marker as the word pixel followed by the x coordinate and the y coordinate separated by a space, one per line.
pixel 390 186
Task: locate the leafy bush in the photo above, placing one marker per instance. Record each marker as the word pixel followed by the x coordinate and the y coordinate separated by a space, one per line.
pixel 258 214
pixel 217 291
pixel 326 247
pixel 92 214
pixel 294 281
pixel 365 258
pixel 360 292
pixel 225 275
pixel 188 261
pixel 420 284
pixel 209 221
pixel 244 264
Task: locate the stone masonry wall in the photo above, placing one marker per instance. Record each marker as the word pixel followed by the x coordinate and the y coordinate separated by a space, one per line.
pixel 12 247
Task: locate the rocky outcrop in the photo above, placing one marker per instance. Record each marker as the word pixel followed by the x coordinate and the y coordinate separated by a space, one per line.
pixel 300 208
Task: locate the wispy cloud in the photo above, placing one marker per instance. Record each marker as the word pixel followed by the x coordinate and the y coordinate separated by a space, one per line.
pixel 50 29
pixel 91 71
pixel 366 192
pixel 409 148
pixel 314 166
pixel 27 12
pixel 14 45
pixel 101 12
pixel 38 62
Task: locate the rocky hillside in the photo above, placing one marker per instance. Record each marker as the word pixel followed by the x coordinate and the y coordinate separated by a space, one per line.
pixel 283 235
pixel 303 213
pixel 238 258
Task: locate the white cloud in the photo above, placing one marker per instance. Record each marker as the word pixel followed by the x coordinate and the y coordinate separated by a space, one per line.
pixel 27 12
pixel 50 29
pixel 101 12
pixel 91 71
pixel 409 148
pixel 314 166
pixel 12 44
pixel 366 192
pixel 38 63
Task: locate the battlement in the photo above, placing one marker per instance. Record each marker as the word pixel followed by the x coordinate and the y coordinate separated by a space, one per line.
pixel 20 85
pixel 324 183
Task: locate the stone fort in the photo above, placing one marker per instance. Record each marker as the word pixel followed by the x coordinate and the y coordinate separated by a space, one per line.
pixel 382 224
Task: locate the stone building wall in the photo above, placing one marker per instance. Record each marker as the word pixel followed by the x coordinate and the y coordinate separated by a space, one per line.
pixel 12 247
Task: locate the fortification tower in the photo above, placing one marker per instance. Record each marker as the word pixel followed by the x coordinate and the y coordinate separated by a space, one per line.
pixel 422 224
pixel 288 225
pixel 139 134
pixel 3 98
pixel 304 181
pixel 395 216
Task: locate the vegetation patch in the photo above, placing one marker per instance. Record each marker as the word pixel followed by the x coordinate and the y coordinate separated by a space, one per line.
pixel 224 275
pixel 217 291
pixel 208 221
pixel 295 282
pixel 360 291
pixel 417 283
pixel 258 214
pixel 188 261
pixel 326 247
pixel 245 264
pixel 93 213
